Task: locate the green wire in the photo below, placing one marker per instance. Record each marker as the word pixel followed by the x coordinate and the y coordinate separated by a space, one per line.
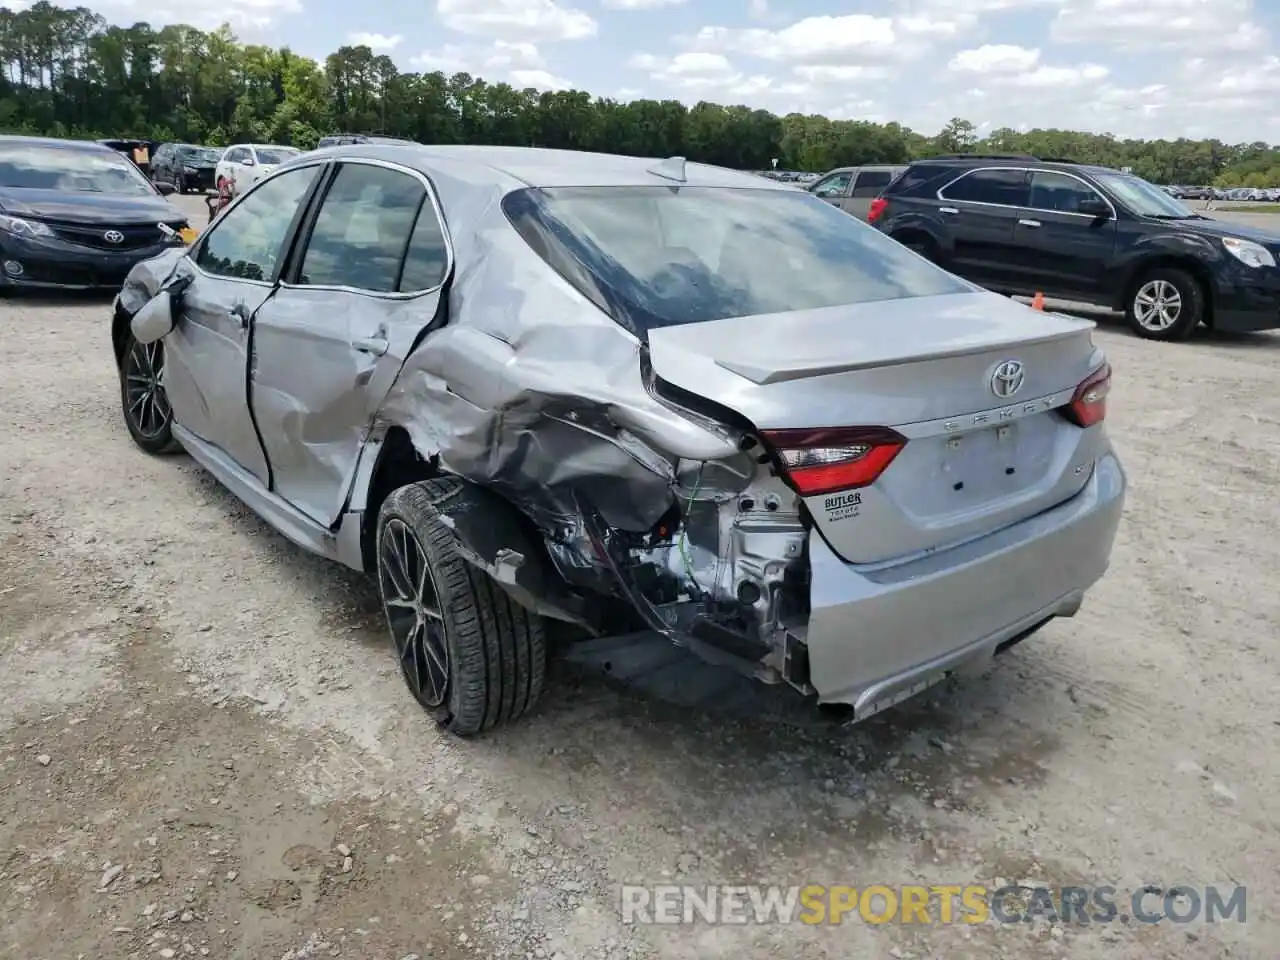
pixel 684 529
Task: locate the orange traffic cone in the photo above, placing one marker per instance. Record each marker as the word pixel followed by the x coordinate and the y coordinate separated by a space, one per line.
pixel 1037 302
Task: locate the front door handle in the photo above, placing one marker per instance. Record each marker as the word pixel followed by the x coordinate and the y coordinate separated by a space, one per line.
pixel 1028 223
pixel 374 345
pixel 240 314
pixel 948 210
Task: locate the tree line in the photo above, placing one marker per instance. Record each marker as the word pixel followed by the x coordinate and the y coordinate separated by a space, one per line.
pixel 66 72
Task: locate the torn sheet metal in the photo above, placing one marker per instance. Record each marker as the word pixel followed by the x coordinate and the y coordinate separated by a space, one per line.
pixel 145 279
pixel 530 390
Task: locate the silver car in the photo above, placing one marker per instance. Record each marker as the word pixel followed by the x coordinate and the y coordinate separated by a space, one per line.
pixel 520 386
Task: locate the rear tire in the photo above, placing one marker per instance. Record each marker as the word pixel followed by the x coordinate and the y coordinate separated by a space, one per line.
pixel 1164 303
pixel 143 400
pixel 470 655
pixel 920 244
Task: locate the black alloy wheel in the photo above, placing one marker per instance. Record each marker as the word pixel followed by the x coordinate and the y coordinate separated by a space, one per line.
pixel 145 403
pixel 413 614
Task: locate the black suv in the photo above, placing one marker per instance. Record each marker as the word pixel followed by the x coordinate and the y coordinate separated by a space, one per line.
pixel 185 165
pixel 1022 225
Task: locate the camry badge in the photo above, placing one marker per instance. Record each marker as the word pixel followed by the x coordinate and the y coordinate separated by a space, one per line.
pixel 1006 379
pixel 113 236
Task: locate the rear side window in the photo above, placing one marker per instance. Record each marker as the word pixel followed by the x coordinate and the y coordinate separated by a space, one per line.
pixel 662 256
pixel 428 256
pixel 871 183
pixel 362 229
pixel 916 176
pixel 1005 187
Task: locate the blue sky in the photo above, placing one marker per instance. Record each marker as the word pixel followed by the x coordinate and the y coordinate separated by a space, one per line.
pixel 1133 67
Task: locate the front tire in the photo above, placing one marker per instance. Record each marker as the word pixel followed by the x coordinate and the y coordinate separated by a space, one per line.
pixel 470 655
pixel 1165 303
pixel 143 400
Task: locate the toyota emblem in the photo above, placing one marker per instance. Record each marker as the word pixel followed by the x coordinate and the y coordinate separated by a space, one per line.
pixel 113 236
pixel 1006 379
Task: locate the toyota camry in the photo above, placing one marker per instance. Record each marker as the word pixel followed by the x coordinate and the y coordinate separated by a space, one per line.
pixel 519 386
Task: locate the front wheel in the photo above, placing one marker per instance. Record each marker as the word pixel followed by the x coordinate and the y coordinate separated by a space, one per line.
pixel 1165 303
pixel 470 655
pixel 147 413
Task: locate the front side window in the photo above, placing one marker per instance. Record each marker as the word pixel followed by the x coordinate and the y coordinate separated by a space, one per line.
pixel 836 186
pixel 248 242
pixel 1004 187
pixel 1059 192
pixel 362 229
pixel 660 256
pixel 1143 198
pixel 39 167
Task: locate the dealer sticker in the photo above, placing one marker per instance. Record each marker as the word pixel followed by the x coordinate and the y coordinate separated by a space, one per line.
pixel 843 506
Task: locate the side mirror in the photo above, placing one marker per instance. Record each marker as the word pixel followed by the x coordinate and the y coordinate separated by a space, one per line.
pixel 247 161
pixel 165 187
pixel 1095 207
pixel 154 320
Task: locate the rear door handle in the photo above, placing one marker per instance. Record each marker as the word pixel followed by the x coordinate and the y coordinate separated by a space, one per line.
pixel 374 345
pixel 948 210
pixel 1028 223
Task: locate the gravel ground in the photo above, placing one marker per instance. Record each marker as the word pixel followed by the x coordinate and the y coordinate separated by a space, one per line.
pixel 206 749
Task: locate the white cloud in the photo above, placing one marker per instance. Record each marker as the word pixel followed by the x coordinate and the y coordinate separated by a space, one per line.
pixel 375 41
pixel 539 79
pixel 811 40
pixel 1199 25
pixel 254 16
pixel 995 58
pixel 640 4
pixel 519 20
pixel 495 61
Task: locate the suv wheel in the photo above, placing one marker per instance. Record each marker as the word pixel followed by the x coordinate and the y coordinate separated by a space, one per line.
pixel 1165 303
pixel 470 655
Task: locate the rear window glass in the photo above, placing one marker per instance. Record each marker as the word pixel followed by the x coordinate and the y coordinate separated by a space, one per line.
pixel 663 256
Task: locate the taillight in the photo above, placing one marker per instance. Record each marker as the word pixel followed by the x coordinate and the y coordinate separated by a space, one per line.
pixel 1089 403
pixel 826 459
pixel 876 210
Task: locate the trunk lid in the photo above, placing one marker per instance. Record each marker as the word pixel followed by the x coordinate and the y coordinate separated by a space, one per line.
pixel 974 461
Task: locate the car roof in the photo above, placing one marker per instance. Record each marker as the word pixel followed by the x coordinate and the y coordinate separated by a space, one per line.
pixel 94 146
pixel 542 167
pixel 978 160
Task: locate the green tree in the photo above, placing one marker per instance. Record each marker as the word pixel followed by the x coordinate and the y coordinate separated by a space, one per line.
pixel 65 72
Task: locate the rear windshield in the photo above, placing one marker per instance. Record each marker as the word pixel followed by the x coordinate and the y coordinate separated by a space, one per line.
pixel 663 256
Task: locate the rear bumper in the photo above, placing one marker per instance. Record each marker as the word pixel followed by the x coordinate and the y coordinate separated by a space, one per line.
pixel 878 635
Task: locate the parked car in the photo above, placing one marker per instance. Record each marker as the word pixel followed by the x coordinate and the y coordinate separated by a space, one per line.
pixel 245 164
pixel 76 214
pixel 139 151
pixel 853 188
pixel 347 139
pixel 1086 233
pixel 185 166
pixel 854 484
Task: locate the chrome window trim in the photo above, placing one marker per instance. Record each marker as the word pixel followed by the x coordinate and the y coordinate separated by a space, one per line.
pixel 203 241
pixel 440 220
pixel 1007 206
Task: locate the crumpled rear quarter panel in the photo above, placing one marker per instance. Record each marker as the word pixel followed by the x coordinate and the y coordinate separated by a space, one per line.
pixel 530 389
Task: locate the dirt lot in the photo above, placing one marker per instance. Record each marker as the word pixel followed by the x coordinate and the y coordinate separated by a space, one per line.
pixel 206 750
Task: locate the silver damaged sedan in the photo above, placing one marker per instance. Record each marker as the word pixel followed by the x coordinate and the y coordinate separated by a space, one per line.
pixel 520 386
